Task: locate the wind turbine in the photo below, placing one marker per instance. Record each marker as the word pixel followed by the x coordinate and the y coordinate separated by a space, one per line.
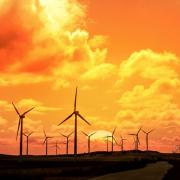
pixel 76 114
pixel 89 140
pixel 27 141
pixel 67 141
pixel 57 147
pixel 112 139
pixel 20 126
pixel 46 141
pixel 147 138
pixel 137 142
pixel 122 143
pixel 134 143
pixel 107 142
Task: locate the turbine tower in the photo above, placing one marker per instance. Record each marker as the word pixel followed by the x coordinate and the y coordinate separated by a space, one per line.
pixel 46 141
pixel 76 114
pixel 89 140
pixel 137 142
pixel 27 141
pixel 147 138
pixel 20 126
pixel 67 141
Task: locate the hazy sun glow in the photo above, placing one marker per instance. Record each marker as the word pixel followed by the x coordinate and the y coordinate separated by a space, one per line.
pixel 101 135
pixel 55 14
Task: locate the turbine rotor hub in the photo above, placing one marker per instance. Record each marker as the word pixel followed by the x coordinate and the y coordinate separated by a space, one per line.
pixel 76 112
pixel 22 116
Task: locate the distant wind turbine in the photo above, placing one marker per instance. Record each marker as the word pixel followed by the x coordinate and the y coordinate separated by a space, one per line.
pixel 112 139
pixel 137 142
pixel 27 141
pixel 89 140
pixel 107 143
pixel 57 147
pixel 122 143
pixel 46 141
pixel 20 126
pixel 147 138
pixel 77 114
pixel 67 141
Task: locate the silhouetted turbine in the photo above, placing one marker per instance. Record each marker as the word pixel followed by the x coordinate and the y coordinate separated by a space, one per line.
pixel 20 126
pixel 89 140
pixel 107 142
pixel 77 114
pixel 27 141
pixel 112 139
pixel 57 147
pixel 67 141
pixel 137 142
pixel 46 141
pixel 122 143
pixel 147 138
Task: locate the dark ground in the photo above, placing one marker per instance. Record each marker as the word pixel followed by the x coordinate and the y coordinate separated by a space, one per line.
pixel 174 173
pixel 83 166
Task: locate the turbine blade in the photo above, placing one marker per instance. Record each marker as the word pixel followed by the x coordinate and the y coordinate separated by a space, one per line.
pixel 18 127
pixel 150 131
pixel 28 111
pixel 30 133
pixel 49 137
pixel 84 119
pixel 115 140
pixel 114 131
pixel 63 135
pixel 44 133
pixel 132 134
pixel 70 134
pixel 75 100
pixel 138 140
pixel 84 133
pixel 92 134
pixel 139 130
pixel 16 109
pixel 44 140
pixel 24 134
pixel 66 119
pixel 143 131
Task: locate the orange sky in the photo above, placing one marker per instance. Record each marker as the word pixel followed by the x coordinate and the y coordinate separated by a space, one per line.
pixel 122 55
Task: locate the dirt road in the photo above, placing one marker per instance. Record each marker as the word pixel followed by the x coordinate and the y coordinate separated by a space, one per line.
pixel 155 171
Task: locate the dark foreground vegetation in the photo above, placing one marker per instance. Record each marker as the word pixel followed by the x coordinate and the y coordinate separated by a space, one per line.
pixel 82 167
pixel 173 173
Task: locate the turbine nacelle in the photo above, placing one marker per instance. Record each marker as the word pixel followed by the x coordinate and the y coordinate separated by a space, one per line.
pixel 22 116
pixel 76 112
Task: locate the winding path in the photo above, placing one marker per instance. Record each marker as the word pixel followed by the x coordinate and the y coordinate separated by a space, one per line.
pixel 155 171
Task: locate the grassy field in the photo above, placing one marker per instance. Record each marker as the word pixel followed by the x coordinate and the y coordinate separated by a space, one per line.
pixel 83 166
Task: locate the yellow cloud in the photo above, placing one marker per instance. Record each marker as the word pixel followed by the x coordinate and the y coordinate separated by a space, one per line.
pixel 101 71
pixel 39 106
pixel 151 82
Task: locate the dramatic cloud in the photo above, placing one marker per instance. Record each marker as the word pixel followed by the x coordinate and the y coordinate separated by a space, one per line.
pixel 47 44
pixel 39 107
pixel 152 83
